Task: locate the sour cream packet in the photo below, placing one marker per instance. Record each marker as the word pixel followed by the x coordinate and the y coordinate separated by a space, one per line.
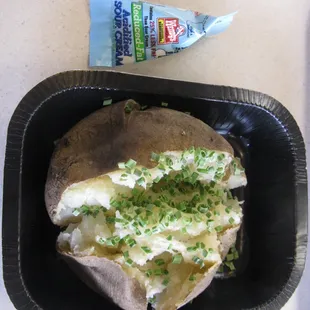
pixel 128 31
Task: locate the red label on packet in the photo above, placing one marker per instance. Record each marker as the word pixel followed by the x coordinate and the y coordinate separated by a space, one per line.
pixel 169 30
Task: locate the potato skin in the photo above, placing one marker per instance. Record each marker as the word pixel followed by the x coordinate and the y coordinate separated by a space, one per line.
pixel 96 144
pixel 109 280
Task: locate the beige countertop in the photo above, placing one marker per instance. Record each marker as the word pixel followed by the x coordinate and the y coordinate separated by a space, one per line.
pixel 266 49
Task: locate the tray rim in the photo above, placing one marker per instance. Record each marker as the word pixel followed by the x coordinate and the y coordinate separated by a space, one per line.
pixel 110 79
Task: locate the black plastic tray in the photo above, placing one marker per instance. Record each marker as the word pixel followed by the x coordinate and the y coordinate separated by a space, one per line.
pixel 262 132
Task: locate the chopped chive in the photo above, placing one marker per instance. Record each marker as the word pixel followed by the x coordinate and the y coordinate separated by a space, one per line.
pixel 177 259
pixel 230 265
pixel 130 164
pixel 159 262
pixel 203 209
pixel 187 221
pixel 227 210
pixel 205 253
pixel 152 300
pixel 121 165
pixel 211 154
pixel 126 254
pixel 183 230
pixel 191 248
pixel 164 104
pixel 236 255
pixel 157 179
pixel 101 240
pixel 76 212
pixel 146 249
pixel 129 262
pixel 209 214
pixel 221 269
pixel 129 241
pixel 145 172
pixel 197 218
pixel 194 177
pixel 192 278
pixel 165 282
pixel 178 215
pixel 155 229
pixel 110 219
pixel 137 232
pixel 155 157
pixel 141 181
pixel 137 172
pixel 230 257
pixel 221 157
pixel 198 261
pixel 148 273
pixel 128 108
pixel 202 245
pixel 212 184
pixel 216 213
pixel 159 272
pixel 169 238
pixel 219 228
pixel 107 102
pixel 112 241
pixel 231 220
pixel 148 232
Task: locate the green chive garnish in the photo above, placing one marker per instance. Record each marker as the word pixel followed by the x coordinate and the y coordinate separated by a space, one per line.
pixel 230 265
pixel 231 220
pixel 230 257
pixel 130 164
pixel 204 253
pixel 141 181
pixel 169 238
pixel 110 219
pixel 219 228
pixel 146 249
pixel 148 232
pixel 148 273
pixel 159 262
pixel 155 157
pixel 191 248
pixel 165 282
pixel 137 172
pixel 101 240
pixel 126 254
pixel 192 278
pixel 76 212
pixel 129 262
pixel 177 259
pixel 198 261
pixel 157 179
pixel 183 230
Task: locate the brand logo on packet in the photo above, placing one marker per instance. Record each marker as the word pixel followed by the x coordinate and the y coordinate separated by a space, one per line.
pixel 169 30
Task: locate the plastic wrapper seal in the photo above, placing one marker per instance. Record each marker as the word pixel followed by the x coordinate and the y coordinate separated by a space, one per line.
pixel 128 31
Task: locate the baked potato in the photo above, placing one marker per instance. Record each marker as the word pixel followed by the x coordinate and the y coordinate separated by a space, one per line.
pixel 144 198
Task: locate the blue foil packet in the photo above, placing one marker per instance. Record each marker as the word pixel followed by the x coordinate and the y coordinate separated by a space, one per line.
pixel 128 31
